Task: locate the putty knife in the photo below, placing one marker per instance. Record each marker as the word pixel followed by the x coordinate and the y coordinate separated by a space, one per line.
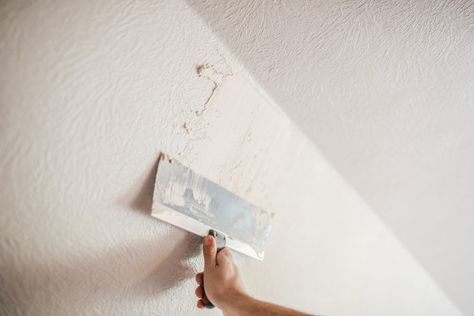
pixel 198 205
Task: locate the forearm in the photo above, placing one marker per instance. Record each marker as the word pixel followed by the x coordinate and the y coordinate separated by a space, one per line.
pixel 243 305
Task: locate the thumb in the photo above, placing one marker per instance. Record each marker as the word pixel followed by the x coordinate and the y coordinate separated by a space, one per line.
pixel 209 250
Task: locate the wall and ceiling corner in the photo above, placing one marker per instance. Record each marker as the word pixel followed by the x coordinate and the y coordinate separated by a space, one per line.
pixel 384 90
pixel 92 92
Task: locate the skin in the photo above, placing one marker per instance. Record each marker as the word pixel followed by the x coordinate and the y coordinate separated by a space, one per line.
pixel 224 288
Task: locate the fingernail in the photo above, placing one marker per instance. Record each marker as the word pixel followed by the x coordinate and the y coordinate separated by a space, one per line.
pixel 208 241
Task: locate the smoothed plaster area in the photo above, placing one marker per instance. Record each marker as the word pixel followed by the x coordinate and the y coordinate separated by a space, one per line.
pixel 90 94
pixel 385 90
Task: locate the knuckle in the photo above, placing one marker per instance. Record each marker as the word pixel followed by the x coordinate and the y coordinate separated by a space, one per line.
pixel 209 250
pixel 225 252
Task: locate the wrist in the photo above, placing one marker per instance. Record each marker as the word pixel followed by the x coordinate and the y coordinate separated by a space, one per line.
pixel 234 302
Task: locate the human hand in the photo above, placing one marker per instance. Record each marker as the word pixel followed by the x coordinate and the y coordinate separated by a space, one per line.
pixel 222 279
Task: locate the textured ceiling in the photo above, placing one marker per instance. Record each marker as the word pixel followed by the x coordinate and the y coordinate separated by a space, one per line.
pixel 384 90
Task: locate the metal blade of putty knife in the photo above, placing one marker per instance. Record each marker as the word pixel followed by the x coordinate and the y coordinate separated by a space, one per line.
pixel 189 201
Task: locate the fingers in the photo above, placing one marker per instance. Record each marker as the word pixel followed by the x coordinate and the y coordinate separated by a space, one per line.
pixel 200 304
pixel 199 278
pixel 203 300
pixel 198 292
pixel 209 250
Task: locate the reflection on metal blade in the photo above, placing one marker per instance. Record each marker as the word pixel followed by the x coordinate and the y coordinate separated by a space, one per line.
pixel 187 200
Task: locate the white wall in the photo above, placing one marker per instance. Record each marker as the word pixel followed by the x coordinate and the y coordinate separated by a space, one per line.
pixel 385 90
pixel 90 93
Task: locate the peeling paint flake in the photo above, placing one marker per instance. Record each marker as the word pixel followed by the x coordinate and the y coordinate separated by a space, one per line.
pixel 215 76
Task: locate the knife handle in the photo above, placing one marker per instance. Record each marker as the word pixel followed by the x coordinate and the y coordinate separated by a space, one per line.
pixel 220 242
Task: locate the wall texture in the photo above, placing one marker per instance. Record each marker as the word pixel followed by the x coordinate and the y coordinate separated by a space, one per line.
pixel 384 90
pixel 90 93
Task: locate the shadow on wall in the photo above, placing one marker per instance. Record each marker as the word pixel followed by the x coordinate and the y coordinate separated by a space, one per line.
pixel 174 268
pixel 91 278
pixel 143 201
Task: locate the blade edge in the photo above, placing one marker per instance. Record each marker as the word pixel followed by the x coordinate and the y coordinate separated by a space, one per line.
pixel 182 221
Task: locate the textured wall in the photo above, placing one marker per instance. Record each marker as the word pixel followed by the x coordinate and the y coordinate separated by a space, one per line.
pixel 90 93
pixel 385 90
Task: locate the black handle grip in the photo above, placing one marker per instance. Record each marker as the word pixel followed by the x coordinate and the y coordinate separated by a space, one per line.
pixel 220 242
